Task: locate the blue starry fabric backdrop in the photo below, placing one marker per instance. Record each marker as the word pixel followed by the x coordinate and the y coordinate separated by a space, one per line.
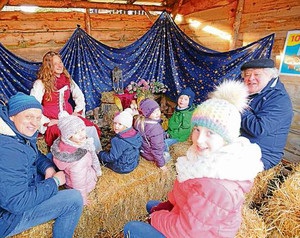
pixel 164 54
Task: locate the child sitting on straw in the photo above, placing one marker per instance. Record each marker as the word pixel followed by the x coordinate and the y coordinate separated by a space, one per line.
pixel 219 168
pixel 75 154
pixel 153 146
pixel 179 125
pixel 124 154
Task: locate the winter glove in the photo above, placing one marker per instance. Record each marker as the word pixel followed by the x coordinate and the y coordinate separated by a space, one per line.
pixel 162 206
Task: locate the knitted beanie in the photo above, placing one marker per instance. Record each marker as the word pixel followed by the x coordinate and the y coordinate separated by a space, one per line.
pixel 221 113
pixel 189 92
pixel 147 106
pixel 69 125
pixel 125 117
pixel 21 102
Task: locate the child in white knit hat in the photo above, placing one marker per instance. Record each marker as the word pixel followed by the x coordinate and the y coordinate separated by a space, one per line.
pixel 75 154
pixel 123 156
pixel 219 168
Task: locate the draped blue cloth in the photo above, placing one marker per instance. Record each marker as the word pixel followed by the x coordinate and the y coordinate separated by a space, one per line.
pixel 164 53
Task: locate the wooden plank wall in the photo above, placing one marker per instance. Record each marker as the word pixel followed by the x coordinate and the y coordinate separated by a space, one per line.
pixel 31 35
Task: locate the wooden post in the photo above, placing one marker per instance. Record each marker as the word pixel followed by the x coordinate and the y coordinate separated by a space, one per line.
pixel 88 21
pixel 236 24
pixel 148 14
pixel 3 3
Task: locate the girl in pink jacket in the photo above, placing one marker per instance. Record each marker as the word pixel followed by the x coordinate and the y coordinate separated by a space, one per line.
pixel 219 168
pixel 75 154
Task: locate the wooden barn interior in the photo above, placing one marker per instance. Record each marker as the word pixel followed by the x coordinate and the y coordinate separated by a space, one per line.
pixel 30 28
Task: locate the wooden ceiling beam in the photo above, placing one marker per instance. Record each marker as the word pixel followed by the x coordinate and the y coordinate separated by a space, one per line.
pixel 3 3
pixel 85 4
pixel 130 1
pixel 176 8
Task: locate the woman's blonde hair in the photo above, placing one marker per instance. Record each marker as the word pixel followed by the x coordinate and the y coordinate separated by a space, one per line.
pixel 46 73
pixel 140 120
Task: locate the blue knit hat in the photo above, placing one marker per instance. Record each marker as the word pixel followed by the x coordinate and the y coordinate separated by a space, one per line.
pixel 21 102
pixel 189 92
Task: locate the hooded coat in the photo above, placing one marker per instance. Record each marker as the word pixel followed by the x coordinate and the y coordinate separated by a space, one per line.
pixel 20 161
pixel 124 153
pixel 81 166
pixel 208 193
pixel 153 141
pixel 180 125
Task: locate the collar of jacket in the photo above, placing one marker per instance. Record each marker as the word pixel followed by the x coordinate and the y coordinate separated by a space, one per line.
pixel 230 162
pixel 191 108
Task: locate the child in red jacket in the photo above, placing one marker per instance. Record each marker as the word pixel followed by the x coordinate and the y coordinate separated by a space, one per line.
pixel 219 168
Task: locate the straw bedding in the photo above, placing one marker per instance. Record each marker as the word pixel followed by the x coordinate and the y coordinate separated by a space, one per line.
pixel 282 211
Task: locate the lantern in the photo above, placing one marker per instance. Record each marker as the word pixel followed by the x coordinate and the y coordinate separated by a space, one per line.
pixel 117 80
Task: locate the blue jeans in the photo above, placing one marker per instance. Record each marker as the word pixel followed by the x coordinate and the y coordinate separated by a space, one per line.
pixel 65 207
pixel 139 229
pixel 171 141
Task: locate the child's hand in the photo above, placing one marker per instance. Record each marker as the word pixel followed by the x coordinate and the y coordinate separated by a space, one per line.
pixel 49 172
pixel 164 168
pixel 53 122
pixel 61 177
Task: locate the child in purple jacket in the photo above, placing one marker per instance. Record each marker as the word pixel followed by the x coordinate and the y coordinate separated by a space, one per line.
pixel 148 125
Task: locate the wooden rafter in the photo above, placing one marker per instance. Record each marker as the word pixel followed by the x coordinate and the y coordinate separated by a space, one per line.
pixel 148 14
pixel 176 8
pixel 3 3
pixel 130 1
pixel 237 23
pixel 84 4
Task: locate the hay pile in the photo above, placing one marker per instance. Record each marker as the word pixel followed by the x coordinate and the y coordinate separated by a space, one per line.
pixel 261 185
pixel 252 225
pixel 282 212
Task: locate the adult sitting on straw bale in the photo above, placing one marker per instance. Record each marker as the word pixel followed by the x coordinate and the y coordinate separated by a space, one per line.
pixel 269 115
pixel 219 168
pixel 26 199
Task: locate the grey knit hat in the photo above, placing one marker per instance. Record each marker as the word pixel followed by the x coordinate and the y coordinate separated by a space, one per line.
pixel 69 125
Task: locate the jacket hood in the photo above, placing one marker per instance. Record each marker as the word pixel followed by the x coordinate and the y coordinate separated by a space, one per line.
pixel 7 127
pixel 132 137
pixel 238 161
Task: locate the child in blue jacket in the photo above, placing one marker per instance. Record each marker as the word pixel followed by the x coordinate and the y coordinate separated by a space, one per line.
pixel 123 156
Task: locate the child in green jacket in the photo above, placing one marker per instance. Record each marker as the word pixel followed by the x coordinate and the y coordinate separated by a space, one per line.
pixel 179 125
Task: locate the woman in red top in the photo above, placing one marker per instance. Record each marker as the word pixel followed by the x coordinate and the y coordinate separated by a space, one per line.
pixel 52 89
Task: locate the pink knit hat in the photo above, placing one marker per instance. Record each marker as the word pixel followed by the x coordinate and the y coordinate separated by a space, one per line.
pixel 125 118
pixel 69 125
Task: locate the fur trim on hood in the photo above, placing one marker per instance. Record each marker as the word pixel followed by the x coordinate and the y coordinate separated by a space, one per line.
pixel 5 129
pixel 239 161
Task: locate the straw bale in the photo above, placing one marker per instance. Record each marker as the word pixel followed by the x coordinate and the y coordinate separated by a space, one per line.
pixel 261 185
pixel 108 116
pixel 252 225
pixel 179 149
pixel 117 199
pixel 282 212
pixel 42 146
pixel 108 97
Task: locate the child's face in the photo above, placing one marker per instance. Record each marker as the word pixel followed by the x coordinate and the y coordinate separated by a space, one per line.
pixel 155 115
pixel 206 141
pixel 183 101
pixel 119 127
pixel 79 137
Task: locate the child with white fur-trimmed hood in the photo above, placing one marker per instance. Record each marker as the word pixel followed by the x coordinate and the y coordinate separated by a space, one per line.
pixel 212 179
pixel 75 154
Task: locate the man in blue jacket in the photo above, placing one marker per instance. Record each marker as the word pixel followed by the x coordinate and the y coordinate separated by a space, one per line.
pixel 268 118
pixel 25 201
